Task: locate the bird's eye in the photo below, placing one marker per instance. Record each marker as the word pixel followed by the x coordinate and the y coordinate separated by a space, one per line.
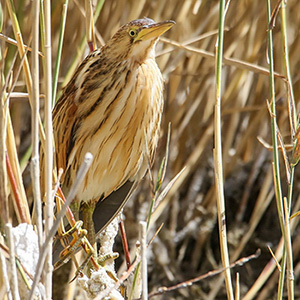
pixel 132 32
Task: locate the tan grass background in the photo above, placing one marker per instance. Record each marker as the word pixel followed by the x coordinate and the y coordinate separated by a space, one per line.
pixel 188 244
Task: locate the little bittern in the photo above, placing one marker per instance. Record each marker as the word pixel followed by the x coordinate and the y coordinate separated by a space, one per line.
pixel 111 107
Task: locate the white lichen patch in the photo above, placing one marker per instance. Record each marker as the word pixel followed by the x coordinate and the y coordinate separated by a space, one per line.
pixel 107 240
pixel 27 250
pixel 105 278
pixel 99 281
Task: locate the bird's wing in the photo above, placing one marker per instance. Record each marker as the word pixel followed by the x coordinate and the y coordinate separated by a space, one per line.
pixel 107 209
pixel 63 116
pixel 66 115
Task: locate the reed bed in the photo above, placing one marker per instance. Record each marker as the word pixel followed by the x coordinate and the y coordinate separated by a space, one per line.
pixel 257 121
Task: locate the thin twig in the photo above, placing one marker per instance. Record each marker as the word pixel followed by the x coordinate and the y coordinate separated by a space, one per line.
pixel 275 258
pixel 14 42
pixel 274 15
pixel 165 191
pixel 125 244
pixel 187 283
pixel 226 60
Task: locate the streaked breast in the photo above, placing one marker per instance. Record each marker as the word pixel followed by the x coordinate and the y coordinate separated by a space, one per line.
pixel 114 131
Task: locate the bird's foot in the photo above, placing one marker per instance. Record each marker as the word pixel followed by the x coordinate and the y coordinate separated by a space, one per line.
pixel 78 235
pixel 104 258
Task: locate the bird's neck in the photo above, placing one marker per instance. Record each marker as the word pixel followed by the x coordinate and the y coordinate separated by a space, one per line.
pixel 141 52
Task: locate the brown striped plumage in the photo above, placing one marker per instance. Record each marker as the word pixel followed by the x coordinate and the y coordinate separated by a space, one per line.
pixel 113 102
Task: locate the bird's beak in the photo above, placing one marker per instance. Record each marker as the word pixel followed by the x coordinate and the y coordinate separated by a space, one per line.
pixel 154 30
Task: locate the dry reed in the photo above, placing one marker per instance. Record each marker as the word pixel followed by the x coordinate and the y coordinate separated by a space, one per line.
pixel 188 244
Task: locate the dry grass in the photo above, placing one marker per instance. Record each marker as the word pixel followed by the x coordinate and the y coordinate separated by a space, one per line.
pixel 188 244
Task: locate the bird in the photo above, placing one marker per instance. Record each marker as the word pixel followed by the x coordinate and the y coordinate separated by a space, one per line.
pixel 112 107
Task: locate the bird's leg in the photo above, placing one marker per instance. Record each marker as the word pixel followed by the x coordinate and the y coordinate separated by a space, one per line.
pixel 87 215
pixel 75 207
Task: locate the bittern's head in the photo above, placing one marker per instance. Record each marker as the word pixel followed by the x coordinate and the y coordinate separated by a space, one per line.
pixel 136 39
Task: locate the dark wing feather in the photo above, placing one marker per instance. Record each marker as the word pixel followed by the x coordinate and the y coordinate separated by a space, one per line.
pixel 107 209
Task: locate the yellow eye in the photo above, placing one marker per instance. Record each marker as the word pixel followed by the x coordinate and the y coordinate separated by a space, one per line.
pixel 132 32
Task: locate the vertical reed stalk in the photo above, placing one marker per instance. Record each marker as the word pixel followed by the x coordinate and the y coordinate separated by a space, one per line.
pixel 48 148
pixel 59 50
pixel 287 258
pixel 3 173
pixel 143 238
pixel 218 154
pixel 276 168
pixel 35 160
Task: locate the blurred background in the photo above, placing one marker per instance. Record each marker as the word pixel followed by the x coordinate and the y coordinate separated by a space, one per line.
pixel 188 244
